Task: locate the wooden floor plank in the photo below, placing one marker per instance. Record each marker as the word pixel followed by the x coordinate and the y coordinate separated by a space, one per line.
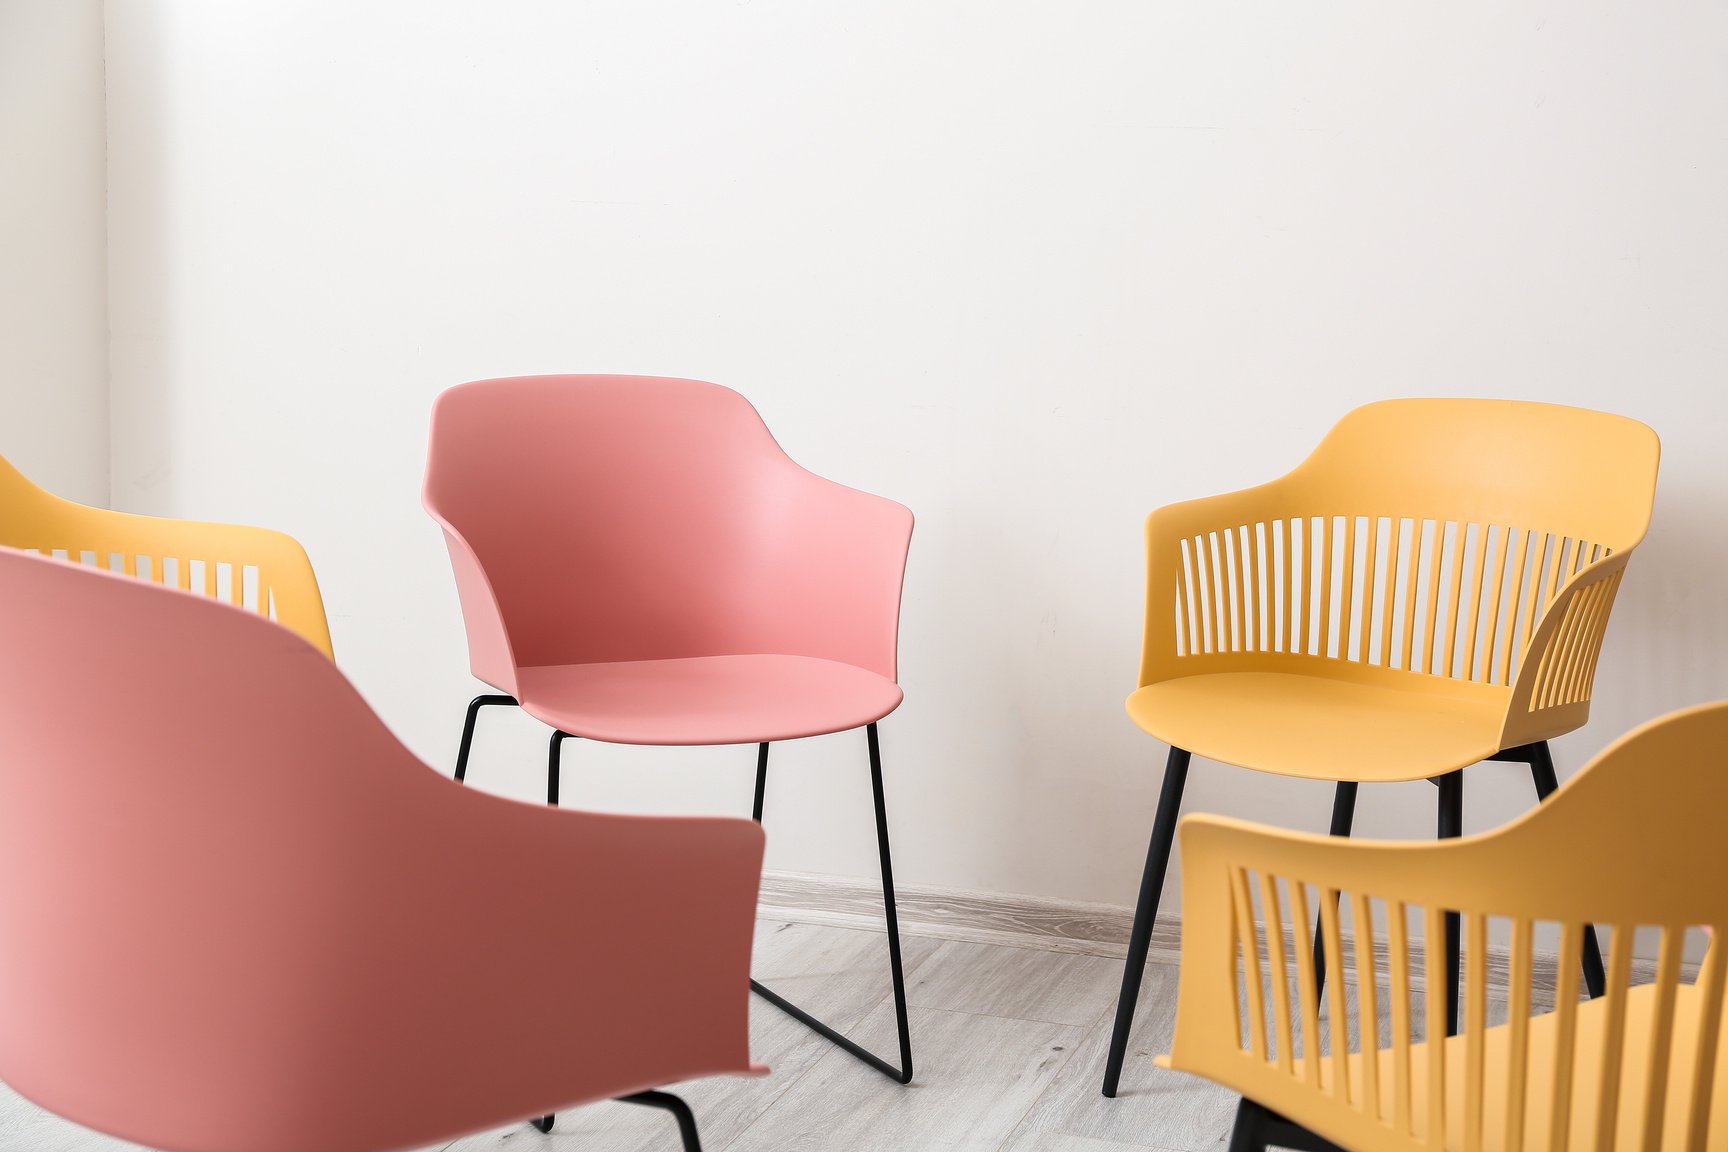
pixel 976 1076
pixel 1020 983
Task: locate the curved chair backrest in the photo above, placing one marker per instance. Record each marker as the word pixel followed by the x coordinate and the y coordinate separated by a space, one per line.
pixel 1450 538
pixel 604 518
pixel 1652 805
pixel 241 917
pixel 264 571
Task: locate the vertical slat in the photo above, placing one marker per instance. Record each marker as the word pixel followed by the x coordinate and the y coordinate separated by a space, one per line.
pixel 1517 1032
pixel 1473 620
pixel 1565 1035
pixel 1367 1006
pixel 1579 640
pixel 1543 694
pixel 1256 589
pixel 1325 556
pixel 1242 624
pixel 1699 1095
pixel 1601 634
pixel 1461 541
pixel 1220 609
pixel 1430 636
pixel 1251 565
pixel 1272 915
pixel 1662 1034
pixel 1475 1027
pixel 1586 666
pixel 1613 1037
pixel 1287 640
pixel 1511 628
pixel 1578 665
pixel 1562 567
pixel 1398 968
pixel 1492 619
pixel 1250 964
pixel 1266 595
pixel 1536 600
pixel 1338 1011
pixel 1554 661
pixel 1387 643
pixel 1434 1000
pixel 1208 600
pixel 1410 589
pixel 1305 637
pixel 1185 645
pixel 1347 589
pixel 1366 611
pixel 1305 989
pixel 1235 986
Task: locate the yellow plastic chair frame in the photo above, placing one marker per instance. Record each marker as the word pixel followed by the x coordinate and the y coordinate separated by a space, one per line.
pixel 256 568
pixel 1636 1068
pixel 1428 590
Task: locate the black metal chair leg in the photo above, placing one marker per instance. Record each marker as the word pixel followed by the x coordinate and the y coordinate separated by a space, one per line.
pixel 1245 1134
pixel 1258 1128
pixel 1343 816
pixel 543 1123
pixel 761 781
pixel 468 723
pixel 680 1112
pixel 554 755
pixel 1542 772
pixel 902 1074
pixel 1450 826
pixel 1146 910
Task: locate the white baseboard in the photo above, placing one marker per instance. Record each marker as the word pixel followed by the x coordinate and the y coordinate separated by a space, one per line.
pixel 1042 923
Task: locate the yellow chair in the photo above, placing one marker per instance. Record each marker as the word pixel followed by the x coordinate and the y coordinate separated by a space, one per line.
pixel 264 571
pixel 1429 589
pixel 1636 1068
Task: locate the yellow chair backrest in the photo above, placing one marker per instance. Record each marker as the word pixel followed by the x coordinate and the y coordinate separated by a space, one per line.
pixel 1475 543
pixel 259 569
pixel 1633 842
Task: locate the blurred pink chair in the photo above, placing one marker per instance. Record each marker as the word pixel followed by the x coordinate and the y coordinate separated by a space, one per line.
pixel 640 563
pixel 303 947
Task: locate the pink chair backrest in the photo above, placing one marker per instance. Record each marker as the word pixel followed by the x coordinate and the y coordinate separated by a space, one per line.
pixel 602 518
pixel 239 916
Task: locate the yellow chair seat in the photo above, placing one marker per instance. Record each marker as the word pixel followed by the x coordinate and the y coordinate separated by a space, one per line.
pixel 1539 1087
pixel 1320 728
pixel 1585 1101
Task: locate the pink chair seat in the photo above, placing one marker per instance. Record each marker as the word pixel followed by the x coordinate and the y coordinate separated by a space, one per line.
pixel 706 699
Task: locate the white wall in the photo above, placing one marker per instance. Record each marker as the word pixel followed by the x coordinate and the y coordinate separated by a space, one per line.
pixel 1032 269
pixel 53 293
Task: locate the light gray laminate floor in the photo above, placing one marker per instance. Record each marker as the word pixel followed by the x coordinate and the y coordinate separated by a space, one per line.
pixel 1009 1046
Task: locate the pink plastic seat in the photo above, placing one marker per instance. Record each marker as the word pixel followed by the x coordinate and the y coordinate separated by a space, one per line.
pixel 639 562
pixel 306 945
pixel 743 699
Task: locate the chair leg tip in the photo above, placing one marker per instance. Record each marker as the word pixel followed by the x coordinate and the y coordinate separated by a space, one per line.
pixel 543 1123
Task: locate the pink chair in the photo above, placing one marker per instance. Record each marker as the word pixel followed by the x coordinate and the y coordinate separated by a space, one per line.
pixel 638 562
pixel 301 948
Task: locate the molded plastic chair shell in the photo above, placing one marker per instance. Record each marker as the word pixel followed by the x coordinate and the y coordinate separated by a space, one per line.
pixel 638 561
pixel 257 568
pixel 1636 1068
pixel 1429 587
pixel 241 917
